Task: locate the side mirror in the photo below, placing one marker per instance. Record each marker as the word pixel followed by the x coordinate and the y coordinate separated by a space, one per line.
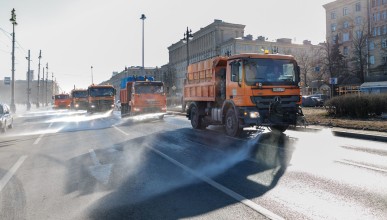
pixel 234 78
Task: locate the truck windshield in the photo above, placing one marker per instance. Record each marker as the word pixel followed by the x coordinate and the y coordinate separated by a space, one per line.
pixel 62 96
pixel 80 94
pixel 148 89
pixel 94 92
pixel 269 71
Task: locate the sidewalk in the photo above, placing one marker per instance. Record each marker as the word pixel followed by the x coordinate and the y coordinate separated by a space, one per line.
pixel 342 132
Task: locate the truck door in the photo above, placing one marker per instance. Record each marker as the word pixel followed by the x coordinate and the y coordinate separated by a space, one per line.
pixel 234 89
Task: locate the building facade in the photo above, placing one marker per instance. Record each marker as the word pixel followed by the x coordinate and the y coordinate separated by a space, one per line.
pixel 351 20
pixel 205 43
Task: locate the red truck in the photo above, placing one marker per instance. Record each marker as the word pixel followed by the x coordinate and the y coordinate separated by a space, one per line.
pixel 141 95
pixel 62 101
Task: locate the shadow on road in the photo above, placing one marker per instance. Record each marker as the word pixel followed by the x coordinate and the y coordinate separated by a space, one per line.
pixel 145 185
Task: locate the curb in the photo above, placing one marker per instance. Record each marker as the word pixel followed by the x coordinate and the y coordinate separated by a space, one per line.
pixel 359 135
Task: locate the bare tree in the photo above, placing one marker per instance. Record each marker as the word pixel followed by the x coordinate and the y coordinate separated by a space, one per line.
pixel 359 53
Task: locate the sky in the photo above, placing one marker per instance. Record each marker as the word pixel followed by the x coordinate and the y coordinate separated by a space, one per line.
pixel 77 34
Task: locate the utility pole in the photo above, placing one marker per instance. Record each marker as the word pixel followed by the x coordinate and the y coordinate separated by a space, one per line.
pixel 46 83
pixel 52 81
pixel 37 99
pixel 13 21
pixel 28 81
pixel 92 80
pixel 143 18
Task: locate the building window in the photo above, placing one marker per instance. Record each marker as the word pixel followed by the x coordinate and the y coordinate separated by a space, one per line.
pixel 333 15
pixel 345 37
pixel 372 59
pixel 357 6
pixel 359 34
pixel 345 11
pixel 333 27
pixel 371 45
pixel 384 15
pixel 385 29
pixel 359 20
pixel 334 38
pixel 384 43
pixel 346 24
pixel 345 51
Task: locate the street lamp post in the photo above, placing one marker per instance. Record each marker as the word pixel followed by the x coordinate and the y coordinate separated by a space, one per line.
pixel 46 83
pixel 37 97
pixel 187 36
pixel 13 21
pixel 28 81
pixel 92 80
pixel 143 19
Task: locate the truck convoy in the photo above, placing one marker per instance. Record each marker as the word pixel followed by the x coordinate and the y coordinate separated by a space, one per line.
pixel 140 94
pixel 79 99
pixel 100 98
pixel 62 101
pixel 244 90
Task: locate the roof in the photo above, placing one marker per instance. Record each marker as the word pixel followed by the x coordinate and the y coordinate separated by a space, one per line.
pixel 373 84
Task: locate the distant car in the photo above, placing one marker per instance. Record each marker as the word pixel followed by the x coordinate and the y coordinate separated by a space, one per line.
pixel 308 101
pixel 321 96
pixel 319 102
pixel 6 119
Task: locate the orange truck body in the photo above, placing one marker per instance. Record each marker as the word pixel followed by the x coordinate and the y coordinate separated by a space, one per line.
pixel 79 99
pixel 62 101
pixel 101 98
pixel 222 91
pixel 142 97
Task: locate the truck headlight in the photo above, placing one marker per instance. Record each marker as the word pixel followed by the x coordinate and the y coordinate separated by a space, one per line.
pixel 92 106
pixel 136 109
pixel 76 106
pixel 254 114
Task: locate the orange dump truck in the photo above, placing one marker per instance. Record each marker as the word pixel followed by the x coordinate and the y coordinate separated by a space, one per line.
pixel 79 99
pixel 100 98
pixel 141 95
pixel 245 90
pixel 62 101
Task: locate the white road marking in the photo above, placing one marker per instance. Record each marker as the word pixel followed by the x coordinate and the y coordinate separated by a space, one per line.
pixel 216 185
pixel 38 139
pixel 361 165
pixel 41 136
pixel 120 130
pixel 11 172
pixel 221 188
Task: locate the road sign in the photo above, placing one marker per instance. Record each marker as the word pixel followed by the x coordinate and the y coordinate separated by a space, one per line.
pixel 7 80
pixel 333 81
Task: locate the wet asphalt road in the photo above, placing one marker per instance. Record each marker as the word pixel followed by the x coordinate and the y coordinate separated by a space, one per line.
pixel 71 165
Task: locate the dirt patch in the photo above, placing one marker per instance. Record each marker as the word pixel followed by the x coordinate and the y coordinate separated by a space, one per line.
pixel 319 116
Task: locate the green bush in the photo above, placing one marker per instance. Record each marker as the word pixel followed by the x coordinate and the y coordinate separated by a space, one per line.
pixel 357 105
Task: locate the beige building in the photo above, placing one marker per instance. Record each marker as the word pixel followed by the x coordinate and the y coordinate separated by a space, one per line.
pixel 222 38
pixel 204 44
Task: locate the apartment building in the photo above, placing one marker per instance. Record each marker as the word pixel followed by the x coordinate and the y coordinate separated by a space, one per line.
pixel 349 20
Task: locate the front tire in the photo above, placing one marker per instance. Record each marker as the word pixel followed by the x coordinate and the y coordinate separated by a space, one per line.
pixel 195 118
pixel 232 124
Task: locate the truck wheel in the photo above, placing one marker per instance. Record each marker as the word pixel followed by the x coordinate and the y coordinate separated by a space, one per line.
pixel 195 118
pixel 232 124
pixel 280 128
